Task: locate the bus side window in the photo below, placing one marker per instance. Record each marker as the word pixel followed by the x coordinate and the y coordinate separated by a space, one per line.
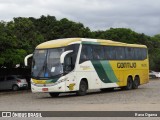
pixel 86 53
pixel 73 55
pixel 120 54
pixel 98 52
pixel 129 53
pixel 109 53
pixel 144 53
pixel 138 53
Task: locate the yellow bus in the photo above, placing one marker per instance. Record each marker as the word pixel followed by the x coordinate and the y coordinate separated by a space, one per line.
pixel 81 64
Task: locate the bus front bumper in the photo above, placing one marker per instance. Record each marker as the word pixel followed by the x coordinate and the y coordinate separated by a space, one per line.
pixel 48 88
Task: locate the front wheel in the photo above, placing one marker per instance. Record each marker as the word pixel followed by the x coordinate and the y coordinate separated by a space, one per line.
pixel 82 89
pixel 54 94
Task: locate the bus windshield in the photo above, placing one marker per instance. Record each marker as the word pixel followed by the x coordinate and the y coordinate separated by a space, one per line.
pixel 46 63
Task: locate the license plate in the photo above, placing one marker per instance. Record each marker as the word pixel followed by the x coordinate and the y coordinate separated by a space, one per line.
pixel 44 89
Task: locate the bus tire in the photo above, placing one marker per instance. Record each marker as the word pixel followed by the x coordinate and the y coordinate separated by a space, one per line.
pixel 54 94
pixel 129 84
pixel 82 88
pixel 136 82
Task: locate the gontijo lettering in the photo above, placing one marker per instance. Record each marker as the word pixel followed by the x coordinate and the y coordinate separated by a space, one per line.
pixel 126 65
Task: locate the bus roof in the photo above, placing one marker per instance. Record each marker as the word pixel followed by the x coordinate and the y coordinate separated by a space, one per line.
pixel 67 41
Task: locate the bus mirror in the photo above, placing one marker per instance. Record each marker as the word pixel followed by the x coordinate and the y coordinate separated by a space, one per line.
pixel 63 55
pixel 26 59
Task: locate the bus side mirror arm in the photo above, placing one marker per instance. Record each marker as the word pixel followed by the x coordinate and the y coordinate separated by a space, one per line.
pixel 26 59
pixel 63 55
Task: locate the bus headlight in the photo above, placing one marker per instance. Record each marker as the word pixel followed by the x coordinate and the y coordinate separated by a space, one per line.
pixel 32 82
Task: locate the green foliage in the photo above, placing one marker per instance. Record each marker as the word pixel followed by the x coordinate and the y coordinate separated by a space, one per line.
pixel 13 56
pixel 121 34
pixel 156 37
pixel 20 37
pixel 154 59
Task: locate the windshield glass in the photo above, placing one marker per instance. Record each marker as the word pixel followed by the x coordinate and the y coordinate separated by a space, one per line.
pixel 46 63
pixel 54 67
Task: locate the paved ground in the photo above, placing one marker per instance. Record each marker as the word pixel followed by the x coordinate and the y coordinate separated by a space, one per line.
pixel 147 97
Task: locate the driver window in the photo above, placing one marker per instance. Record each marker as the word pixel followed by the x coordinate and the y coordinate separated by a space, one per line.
pixel 68 63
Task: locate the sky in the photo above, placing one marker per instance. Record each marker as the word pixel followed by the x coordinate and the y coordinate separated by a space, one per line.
pixel 142 16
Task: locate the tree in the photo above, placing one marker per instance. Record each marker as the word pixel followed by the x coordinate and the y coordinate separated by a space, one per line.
pixel 20 37
pixel 121 34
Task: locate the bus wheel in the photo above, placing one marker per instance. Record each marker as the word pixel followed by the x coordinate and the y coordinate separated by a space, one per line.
pixel 82 88
pixel 136 83
pixel 129 84
pixel 54 94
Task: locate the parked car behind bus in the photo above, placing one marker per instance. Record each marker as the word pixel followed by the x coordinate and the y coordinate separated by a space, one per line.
pixel 153 74
pixel 14 82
